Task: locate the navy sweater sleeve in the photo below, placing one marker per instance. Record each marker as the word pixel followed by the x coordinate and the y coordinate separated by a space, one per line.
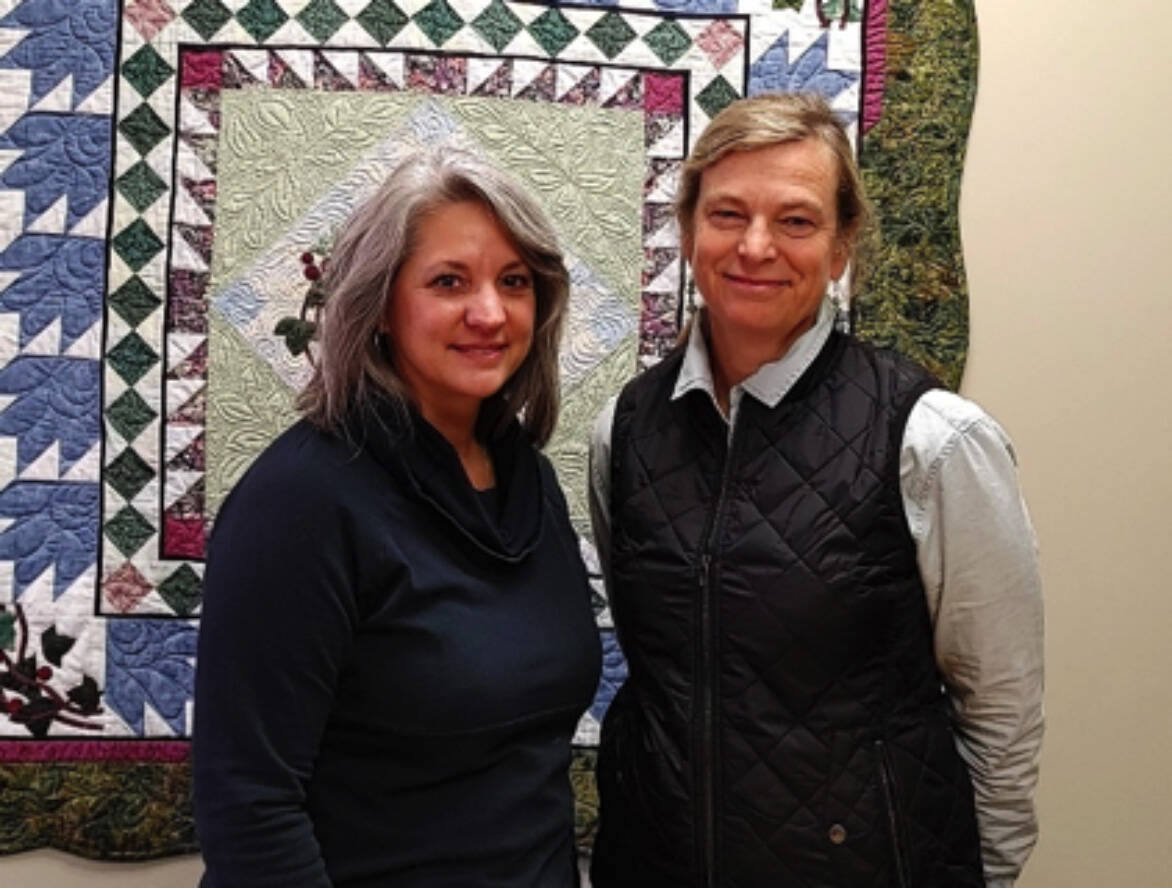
pixel 279 612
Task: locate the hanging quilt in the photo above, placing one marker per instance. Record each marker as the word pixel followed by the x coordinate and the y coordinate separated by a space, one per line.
pixel 163 166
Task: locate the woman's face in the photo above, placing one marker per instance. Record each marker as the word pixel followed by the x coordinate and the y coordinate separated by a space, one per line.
pixel 461 312
pixel 764 242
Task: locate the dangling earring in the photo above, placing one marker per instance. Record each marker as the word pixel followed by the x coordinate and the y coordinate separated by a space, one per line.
pixel 691 295
pixel 837 294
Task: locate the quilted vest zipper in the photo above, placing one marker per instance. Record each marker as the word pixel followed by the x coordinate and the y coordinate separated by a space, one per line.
pixel 888 782
pixel 708 676
pixel 704 732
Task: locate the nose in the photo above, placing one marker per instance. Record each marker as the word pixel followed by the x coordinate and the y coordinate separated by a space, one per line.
pixel 757 241
pixel 485 308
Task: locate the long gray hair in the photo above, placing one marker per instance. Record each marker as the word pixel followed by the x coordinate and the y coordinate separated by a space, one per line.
pixel 354 366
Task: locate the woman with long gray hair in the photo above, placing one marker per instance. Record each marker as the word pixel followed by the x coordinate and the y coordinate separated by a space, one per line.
pixel 397 639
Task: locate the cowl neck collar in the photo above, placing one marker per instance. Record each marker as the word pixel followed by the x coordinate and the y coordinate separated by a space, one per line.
pixel 415 452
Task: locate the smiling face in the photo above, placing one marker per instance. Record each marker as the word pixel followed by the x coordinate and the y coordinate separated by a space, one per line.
pixel 460 318
pixel 764 240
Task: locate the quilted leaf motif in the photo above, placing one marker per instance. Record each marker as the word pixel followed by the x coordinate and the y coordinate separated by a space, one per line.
pixel 61 278
pixel 150 662
pixel 55 645
pixel 277 151
pixel 86 695
pixel 68 37
pixel 56 401
pixel 37 716
pixel 249 407
pixel 63 154
pixel 53 523
pixel 773 71
pixel 596 203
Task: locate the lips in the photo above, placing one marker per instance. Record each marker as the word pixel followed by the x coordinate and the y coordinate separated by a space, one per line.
pixel 745 281
pixel 480 351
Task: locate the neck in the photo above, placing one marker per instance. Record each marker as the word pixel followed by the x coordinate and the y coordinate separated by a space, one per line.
pixel 735 354
pixel 459 428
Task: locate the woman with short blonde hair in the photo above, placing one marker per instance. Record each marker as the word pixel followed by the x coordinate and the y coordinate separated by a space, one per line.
pixel 818 562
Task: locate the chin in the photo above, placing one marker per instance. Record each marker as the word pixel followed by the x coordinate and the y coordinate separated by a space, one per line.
pixel 484 390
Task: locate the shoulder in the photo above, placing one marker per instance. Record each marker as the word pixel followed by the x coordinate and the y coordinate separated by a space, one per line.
pixel 941 416
pixel 305 471
pixel 655 380
pixel 899 371
pixel 545 468
pixel 946 427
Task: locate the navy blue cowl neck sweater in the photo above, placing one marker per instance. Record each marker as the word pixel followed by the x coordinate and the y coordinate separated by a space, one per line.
pixel 389 674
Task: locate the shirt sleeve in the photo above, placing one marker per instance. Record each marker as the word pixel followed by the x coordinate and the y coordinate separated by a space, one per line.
pixel 276 626
pixel 599 490
pixel 977 555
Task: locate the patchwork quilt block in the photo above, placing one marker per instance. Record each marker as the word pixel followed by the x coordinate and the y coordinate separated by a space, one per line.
pixel 163 166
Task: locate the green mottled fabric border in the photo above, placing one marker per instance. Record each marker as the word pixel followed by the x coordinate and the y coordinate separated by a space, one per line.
pixel 916 298
pixel 114 810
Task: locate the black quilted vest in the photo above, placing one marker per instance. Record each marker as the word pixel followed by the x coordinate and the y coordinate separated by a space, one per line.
pixel 783 721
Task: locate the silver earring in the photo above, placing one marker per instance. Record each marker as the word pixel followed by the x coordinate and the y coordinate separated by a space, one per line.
pixel 837 294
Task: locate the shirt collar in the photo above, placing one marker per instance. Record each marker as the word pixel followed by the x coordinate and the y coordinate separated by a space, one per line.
pixel 771 381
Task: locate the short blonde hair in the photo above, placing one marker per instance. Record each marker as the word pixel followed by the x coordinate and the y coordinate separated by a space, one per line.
pixel 769 119
pixel 354 363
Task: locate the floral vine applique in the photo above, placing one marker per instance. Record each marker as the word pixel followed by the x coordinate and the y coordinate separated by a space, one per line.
pixel 27 695
pixel 825 17
pixel 301 329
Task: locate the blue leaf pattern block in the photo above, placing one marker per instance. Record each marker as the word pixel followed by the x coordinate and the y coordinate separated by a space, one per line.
pixel 56 400
pixel 702 7
pixel 61 278
pixel 53 523
pixel 614 674
pixel 150 662
pixel 63 154
pixel 67 37
pixel 772 72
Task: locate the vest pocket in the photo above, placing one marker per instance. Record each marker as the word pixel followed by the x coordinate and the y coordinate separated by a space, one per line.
pixel 894 822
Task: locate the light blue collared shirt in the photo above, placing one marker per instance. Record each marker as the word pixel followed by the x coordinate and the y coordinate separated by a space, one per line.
pixel 770 382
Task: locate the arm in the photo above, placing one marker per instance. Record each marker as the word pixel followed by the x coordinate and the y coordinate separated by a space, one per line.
pixel 277 618
pixel 978 560
pixel 599 489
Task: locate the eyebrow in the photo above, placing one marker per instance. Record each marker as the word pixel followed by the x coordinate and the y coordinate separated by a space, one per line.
pixel 785 206
pixel 459 266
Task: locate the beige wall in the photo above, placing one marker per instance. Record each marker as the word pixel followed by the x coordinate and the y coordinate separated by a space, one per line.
pixel 1067 226
pixel 1068 233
